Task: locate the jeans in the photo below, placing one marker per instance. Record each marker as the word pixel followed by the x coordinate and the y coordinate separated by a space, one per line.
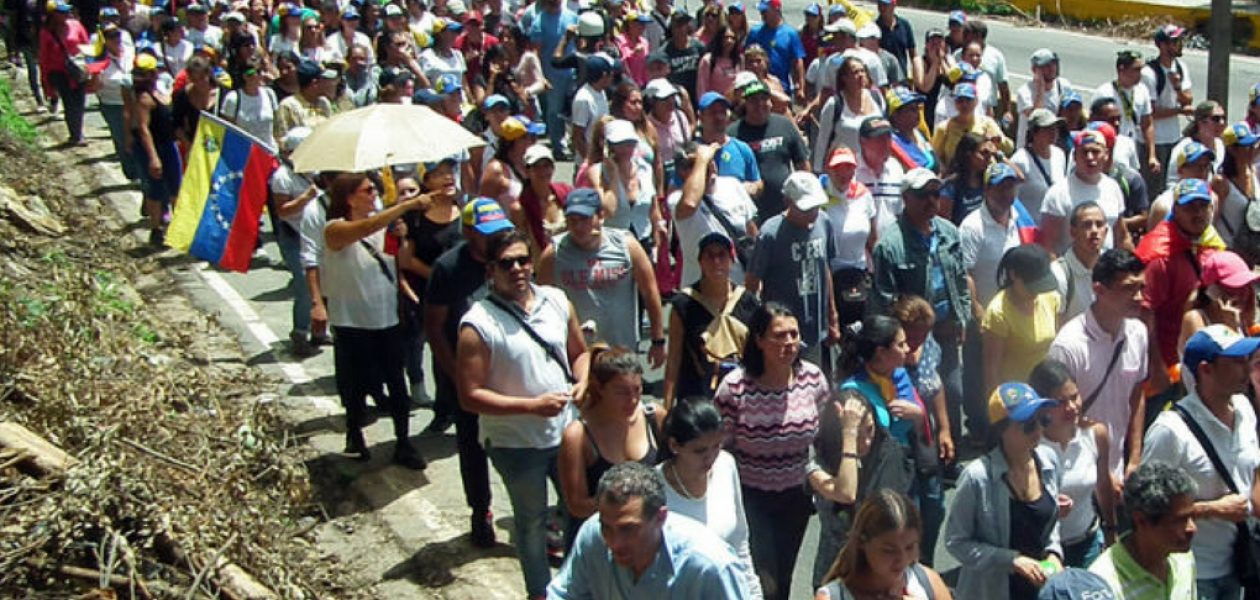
pixel 113 115
pixel 555 107
pixel 474 468
pixel 951 369
pixel 290 243
pixel 525 472
pixel 776 526
pixel 929 494
pixel 1221 588
pixel 1081 554
pixel 73 101
pixel 32 74
pixel 364 359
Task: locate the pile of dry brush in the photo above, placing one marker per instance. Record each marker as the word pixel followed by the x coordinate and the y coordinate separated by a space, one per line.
pixel 177 480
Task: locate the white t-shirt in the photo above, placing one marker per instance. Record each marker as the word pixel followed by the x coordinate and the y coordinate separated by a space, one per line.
pixel 1167 129
pixel 285 181
pixel 255 114
pixel 730 197
pixel 850 220
pixel 945 108
pixel 336 45
pixel 212 37
pixel 1078 462
pixel 116 78
pixel 1062 197
pixel 1134 104
pixel 589 106
pixel 1024 102
pixel 829 69
pixel 1032 191
pixel 311 230
pixel 984 241
pixel 359 294
pixel 885 187
pixel 434 65
pixel 279 44
pixel 176 56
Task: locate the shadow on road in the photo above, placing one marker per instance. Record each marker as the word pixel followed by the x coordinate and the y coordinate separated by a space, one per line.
pixel 432 565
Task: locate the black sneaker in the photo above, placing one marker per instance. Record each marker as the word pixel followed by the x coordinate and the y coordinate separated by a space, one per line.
pixel 357 446
pixel 438 425
pixel 482 531
pixel 157 238
pixel 409 458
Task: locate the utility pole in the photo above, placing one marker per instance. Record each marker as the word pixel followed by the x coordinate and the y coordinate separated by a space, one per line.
pixel 1220 34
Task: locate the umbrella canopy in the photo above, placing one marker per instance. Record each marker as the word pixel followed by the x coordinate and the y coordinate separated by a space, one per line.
pixel 381 135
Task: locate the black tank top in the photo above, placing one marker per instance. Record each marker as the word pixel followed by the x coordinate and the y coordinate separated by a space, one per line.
pixel 601 465
pixel 161 122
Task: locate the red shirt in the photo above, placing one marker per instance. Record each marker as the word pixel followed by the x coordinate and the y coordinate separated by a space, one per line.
pixel 1170 279
pixel 473 52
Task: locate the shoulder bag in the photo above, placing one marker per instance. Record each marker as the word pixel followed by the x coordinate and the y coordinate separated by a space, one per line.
pixel 534 335
pixel 1115 356
pixel 744 243
pixel 1246 544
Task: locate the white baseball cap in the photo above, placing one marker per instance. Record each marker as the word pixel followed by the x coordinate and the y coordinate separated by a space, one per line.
pixel 619 131
pixel 659 89
pixel 537 153
pixel 804 190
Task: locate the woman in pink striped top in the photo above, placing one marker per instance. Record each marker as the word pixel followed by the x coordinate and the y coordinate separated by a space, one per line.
pixel 770 408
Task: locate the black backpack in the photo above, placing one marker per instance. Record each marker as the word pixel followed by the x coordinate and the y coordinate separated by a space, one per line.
pixel 1161 78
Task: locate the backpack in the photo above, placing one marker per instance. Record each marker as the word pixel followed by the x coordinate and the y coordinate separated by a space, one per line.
pixel 723 340
pixel 1161 78
pixel 1247 237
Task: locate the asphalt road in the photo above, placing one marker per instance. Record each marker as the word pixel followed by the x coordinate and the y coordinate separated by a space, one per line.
pixel 422 515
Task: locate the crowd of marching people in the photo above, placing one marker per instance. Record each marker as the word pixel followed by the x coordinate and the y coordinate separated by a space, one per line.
pixel 869 269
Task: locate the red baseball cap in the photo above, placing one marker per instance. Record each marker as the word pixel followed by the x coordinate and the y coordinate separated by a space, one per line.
pixel 841 156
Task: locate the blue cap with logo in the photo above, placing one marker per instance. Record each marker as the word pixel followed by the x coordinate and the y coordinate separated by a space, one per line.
pixel 1016 401
pixel 1075 584
pixel 485 216
pixel 1216 341
pixel 582 202
pixel 1191 190
pixel 999 172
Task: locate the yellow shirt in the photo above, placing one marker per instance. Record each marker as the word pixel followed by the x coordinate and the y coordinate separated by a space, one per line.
pixel 947 135
pixel 1028 335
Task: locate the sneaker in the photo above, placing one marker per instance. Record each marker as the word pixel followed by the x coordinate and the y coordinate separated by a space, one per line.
pixel 438 425
pixel 357 446
pixel 407 457
pixel 482 530
pixel 420 399
pixel 300 346
pixel 322 339
pixel 157 238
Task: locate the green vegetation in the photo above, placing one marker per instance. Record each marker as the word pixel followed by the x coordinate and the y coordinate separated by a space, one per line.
pixel 11 121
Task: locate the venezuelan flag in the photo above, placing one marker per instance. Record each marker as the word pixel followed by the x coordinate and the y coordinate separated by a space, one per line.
pixel 1029 232
pixel 222 195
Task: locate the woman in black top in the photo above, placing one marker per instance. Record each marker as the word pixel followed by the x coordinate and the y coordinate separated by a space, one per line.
pixel 689 370
pixel 199 93
pixel 615 427
pixel 157 152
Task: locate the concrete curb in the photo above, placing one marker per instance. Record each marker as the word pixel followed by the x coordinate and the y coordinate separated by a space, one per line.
pixel 1246 24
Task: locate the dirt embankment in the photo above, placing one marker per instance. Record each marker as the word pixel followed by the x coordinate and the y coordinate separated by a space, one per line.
pixel 178 472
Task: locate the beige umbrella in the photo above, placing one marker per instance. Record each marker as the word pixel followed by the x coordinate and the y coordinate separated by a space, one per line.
pixel 381 135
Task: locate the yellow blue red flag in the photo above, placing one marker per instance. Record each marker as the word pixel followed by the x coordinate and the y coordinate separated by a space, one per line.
pixel 222 195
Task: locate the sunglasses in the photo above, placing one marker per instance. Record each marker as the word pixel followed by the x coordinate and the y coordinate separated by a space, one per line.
pixel 1042 421
pixel 506 263
pixel 1217 118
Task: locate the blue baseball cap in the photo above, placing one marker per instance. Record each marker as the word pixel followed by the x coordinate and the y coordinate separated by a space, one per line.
pixel 1194 151
pixel 426 97
pixel 534 128
pixel 999 172
pixel 1191 190
pixel 350 13
pixel 1016 401
pixel 900 96
pixel 600 63
pixel 486 217
pixel 495 100
pixel 63 8
pixel 957 16
pixel 1239 134
pixel 736 7
pixel 1071 97
pixel 711 98
pixel 836 9
pixel 965 90
pixel 582 202
pixel 813 10
pixel 1216 341
pixel 448 84
pixel 765 5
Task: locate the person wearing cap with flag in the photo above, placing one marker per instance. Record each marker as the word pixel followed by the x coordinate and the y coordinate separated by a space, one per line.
pixel 1173 251
pixel 603 271
pixel 520 361
pixel 1153 561
pixel 1088 181
pixel 910 144
pixel 442 58
pixel 1003 524
pixel 590 103
pixel 735 159
pixel 1214 418
pixel 791 264
pixel 347 36
pixel 775 142
pixel 1044 90
pixel 986 233
pixel 1167 81
pixel 1135 107
pixel 783 43
pixel 1237 188
pixel 1193 162
pixel 503 177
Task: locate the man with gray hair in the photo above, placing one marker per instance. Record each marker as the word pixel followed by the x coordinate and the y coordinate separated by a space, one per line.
pixel 1154 560
pixel 653 554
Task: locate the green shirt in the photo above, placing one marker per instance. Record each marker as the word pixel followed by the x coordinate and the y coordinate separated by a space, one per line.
pixel 1130 581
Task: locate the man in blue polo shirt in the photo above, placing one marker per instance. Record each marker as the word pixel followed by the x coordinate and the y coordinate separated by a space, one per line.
pixel 784 46
pixel 896 36
pixel 735 159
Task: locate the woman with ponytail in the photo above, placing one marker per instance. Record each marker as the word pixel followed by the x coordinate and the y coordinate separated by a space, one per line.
pixel 615 426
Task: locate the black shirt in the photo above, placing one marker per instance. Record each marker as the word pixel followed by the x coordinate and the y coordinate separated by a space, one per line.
pixel 778 147
pixel 457 281
pixel 1033 522
pixel 430 239
pixel 897 40
pixel 684 64
pixel 692 381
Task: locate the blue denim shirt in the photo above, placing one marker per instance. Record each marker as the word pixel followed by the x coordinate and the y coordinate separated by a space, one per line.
pixel 691 564
pixel 902 265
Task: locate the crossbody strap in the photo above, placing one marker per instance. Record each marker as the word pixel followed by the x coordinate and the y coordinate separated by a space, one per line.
pixel 1208 448
pixel 1115 356
pixel 380 260
pixel 534 335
